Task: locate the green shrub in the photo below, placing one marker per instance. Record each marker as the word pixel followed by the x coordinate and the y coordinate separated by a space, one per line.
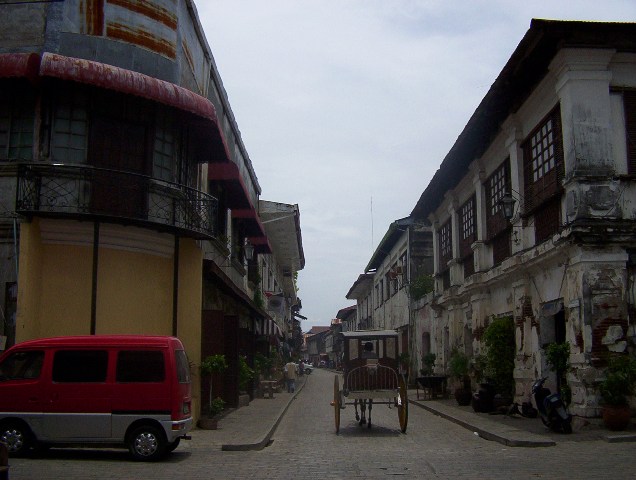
pixel 245 373
pixel 216 406
pixel 428 362
pixel 620 380
pixel 499 338
pixel 422 285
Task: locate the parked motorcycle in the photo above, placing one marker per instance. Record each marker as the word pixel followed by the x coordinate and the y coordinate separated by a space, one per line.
pixel 551 408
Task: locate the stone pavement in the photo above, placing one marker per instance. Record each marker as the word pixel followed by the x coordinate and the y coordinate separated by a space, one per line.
pixel 252 427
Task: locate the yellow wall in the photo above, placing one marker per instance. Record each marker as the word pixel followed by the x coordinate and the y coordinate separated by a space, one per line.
pixel 189 311
pixel 134 292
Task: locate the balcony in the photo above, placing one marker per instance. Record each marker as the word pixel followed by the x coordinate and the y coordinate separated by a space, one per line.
pixel 83 191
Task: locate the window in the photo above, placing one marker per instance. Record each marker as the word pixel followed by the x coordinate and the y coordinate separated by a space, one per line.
pixel 164 151
pixel 80 366
pixel 629 104
pixel 17 116
pixel 542 150
pixel 183 366
pixel 22 366
pixel 496 186
pixel 140 366
pixel 543 162
pixel 69 132
pixel 445 238
pixel 467 227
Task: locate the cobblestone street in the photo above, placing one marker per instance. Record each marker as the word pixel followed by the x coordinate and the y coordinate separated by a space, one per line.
pixel 305 446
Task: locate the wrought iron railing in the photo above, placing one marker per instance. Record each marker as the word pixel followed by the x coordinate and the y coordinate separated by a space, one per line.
pixel 83 190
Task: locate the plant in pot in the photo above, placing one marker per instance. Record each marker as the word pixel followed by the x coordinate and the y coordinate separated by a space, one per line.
pixel 459 366
pixel 558 359
pixel 245 374
pixel 615 389
pixel 211 365
pixel 263 366
pixel 428 362
pixel 499 339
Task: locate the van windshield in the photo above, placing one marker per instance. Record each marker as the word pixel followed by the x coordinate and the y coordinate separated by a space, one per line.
pixel 183 366
pixel 22 366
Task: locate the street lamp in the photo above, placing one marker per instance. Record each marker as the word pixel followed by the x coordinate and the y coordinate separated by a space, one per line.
pixel 248 248
pixel 507 205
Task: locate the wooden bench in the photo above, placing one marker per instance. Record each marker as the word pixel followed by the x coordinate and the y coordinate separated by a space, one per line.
pixel 4 462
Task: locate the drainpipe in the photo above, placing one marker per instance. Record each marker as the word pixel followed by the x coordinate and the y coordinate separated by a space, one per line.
pixel 94 279
pixel 175 287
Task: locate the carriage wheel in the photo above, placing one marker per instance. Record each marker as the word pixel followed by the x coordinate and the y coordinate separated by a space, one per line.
pixel 403 406
pixel 336 402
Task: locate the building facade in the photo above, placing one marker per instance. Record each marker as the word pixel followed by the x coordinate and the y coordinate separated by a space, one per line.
pixel 128 201
pixel 554 139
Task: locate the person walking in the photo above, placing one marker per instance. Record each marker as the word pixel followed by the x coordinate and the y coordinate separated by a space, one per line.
pixel 290 373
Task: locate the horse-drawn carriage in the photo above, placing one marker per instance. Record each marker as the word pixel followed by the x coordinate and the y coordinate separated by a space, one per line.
pixel 371 376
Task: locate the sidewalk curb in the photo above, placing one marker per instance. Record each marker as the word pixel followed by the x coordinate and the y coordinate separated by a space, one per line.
pixel 511 437
pixel 264 442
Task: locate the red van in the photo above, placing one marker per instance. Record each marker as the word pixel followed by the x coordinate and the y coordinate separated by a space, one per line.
pixel 105 390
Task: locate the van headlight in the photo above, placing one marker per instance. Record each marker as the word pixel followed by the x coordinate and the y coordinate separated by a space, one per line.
pixel 186 408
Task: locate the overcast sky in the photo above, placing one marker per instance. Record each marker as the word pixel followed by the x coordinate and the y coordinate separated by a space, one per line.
pixel 347 107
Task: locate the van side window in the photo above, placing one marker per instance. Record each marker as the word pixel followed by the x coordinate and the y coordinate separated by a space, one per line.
pixel 183 366
pixel 22 366
pixel 140 366
pixel 80 366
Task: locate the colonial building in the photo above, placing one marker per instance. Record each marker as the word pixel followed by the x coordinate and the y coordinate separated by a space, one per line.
pixel 128 202
pixel 384 291
pixel 554 139
pixel 349 318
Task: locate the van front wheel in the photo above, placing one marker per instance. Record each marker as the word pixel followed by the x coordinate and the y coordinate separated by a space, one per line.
pixel 17 437
pixel 147 443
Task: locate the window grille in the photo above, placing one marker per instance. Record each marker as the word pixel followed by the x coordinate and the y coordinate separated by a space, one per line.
pixel 445 245
pixel 543 162
pixel 468 228
pixel 496 186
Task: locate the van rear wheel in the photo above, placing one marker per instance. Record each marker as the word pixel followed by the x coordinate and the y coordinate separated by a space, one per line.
pixel 147 443
pixel 17 437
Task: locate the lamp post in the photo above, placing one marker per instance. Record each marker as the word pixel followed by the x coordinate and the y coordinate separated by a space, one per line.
pixel 507 205
pixel 248 248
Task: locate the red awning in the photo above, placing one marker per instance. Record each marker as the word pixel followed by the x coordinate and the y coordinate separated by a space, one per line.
pixel 261 244
pixel 250 221
pixel 121 80
pixel 228 174
pixel 18 65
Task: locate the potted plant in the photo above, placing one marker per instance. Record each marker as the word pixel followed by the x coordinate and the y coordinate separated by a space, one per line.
pixel 558 359
pixel 213 364
pixel 618 385
pixel 263 365
pixel 459 365
pixel 499 339
pixel 428 362
pixel 245 374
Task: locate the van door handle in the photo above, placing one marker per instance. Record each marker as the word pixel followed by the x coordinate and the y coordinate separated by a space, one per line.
pixel 33 399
